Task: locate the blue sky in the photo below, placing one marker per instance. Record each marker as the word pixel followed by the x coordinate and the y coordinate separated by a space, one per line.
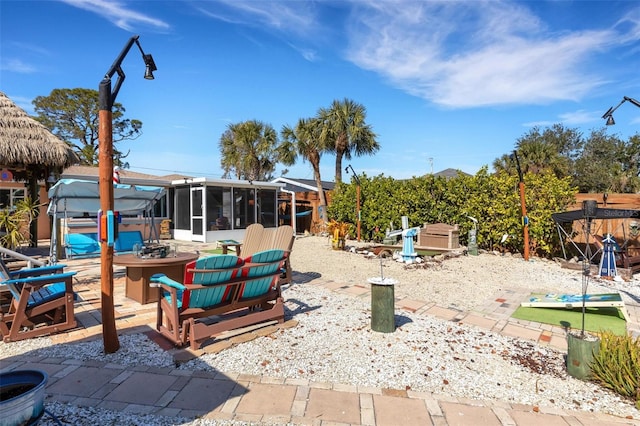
pixel 449 84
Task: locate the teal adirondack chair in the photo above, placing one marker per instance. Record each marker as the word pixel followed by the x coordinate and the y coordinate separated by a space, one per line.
pixel 42 302
pixel 230 292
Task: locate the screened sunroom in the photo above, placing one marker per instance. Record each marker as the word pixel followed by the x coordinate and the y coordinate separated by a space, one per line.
pixel 208 210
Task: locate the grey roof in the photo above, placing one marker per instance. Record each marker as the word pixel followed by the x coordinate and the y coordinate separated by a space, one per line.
pixel 303 185
pixel 126 176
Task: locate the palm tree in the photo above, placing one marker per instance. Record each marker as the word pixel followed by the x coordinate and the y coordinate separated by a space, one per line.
pixel 345 132
pixel 249 150
pixel 536 156
pixel 305 140
pixel 553 149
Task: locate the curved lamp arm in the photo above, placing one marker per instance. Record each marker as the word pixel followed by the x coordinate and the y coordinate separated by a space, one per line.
pixel 108 97
pixel 609 114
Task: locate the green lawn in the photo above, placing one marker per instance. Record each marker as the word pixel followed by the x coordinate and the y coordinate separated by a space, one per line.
pixel 213 251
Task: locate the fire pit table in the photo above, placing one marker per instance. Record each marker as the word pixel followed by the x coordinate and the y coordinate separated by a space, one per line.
pixel 140 269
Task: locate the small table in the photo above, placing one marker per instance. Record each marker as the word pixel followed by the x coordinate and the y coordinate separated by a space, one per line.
pixel 140 270
pixel 225 244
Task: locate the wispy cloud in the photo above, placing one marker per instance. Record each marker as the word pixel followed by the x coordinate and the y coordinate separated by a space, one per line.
pixel 454 54
pixel 289 19
pixel 26 47
pixel 469 54
pixel 119 14
pixel 629 26
pixel 11 63
pixel 16 65
pixel 573 118
pixel 310 55
pixel 581 117
pixel 595 118
pixel 293 17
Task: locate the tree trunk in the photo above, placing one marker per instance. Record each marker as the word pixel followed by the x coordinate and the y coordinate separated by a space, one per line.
pixel 35 200
pixel 339 155
pixel 323 201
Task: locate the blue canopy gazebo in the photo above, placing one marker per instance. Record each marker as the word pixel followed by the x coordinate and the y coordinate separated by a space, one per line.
pixel 74 198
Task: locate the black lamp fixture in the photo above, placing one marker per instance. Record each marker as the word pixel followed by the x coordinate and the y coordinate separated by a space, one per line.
pixel 116 68
pixel 609 114
pixel 150 64
pixel 355 176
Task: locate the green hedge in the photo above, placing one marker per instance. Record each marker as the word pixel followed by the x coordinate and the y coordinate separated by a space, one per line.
pixel 493 199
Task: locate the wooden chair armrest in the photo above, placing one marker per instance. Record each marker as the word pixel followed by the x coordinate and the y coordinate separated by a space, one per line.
pixel 42 279
pixel 232 281
pixel 236 268
pixel 32 272
pixel 252 264
pixel 198 271
pixel 158 280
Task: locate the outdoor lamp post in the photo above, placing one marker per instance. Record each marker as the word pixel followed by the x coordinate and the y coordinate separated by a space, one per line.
pixel 523 207
pixel 357 197
pixel 609 114
pixel 105 161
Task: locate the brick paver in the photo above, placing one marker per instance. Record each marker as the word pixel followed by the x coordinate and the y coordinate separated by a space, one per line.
pixel 333 406
pixel 392 411
pixel 267 399
pixel 469 415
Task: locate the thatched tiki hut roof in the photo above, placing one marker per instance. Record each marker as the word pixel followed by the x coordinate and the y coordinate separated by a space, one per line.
pixel 29 150
pixel 25 144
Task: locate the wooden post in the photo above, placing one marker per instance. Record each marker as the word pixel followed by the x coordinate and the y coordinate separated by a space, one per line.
pixel 605 223
pixel 525 221
pixel 106 99
pixel 355 176
pixel 523 205
pixel 34 194
pixel 105 161
pixel 358 209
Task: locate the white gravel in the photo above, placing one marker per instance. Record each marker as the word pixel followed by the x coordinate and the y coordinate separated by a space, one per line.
pixel 333 341
pixel 461 282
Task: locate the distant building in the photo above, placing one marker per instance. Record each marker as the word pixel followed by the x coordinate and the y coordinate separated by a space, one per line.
pixel 200 209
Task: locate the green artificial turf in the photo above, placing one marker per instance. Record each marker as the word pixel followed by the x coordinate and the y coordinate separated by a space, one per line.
pixel 214 251
pixel 422 252
pixel 596 319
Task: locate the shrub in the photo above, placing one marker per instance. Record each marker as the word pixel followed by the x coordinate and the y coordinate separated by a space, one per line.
pixel 617 365
pixel 493 199
pixel 14 224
